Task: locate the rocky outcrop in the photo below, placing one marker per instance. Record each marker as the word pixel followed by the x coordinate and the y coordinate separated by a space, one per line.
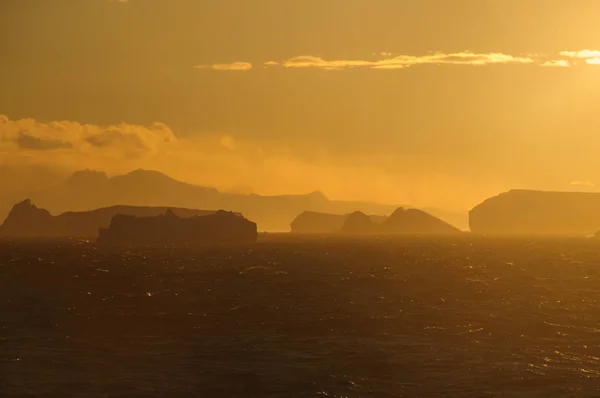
pixel 402 221
pixel 414 221
pixel 538 213
pixel 359 223
pixel 310 222
pixel 26 220
pixel 221 226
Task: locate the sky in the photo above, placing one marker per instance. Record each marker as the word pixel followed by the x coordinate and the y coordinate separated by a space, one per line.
pixel 422 102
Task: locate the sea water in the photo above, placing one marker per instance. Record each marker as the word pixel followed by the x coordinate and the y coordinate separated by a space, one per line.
pixel 302 317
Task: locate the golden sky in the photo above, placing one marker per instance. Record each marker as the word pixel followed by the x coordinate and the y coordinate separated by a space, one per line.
pixel 422 102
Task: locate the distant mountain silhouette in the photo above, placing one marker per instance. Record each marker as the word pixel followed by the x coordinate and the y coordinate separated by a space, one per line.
pixel 28 221
pixel 538 212
pixel 218 227
pixel 86 190
pixel 402 221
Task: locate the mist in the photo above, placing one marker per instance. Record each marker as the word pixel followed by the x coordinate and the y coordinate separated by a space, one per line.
pixel 221 161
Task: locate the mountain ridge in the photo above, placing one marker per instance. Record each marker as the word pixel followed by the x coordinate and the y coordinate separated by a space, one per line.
pixel 89 189
pixel 86 190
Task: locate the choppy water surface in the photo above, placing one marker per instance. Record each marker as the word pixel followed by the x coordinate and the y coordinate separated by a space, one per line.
pixel 291 317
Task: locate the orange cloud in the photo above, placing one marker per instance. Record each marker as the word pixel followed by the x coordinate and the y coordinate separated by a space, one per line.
pixel 583 183
pixel 405 61
pixel 583 54
pixel 235 66
pixel 123 140
pixel 590 57
pixel 556 63
pixel 390 61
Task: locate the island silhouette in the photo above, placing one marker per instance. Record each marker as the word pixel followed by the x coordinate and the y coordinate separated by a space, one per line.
pixel 526 212
pixel 219 227
pixel 310 222
pixel 516 212
pixel 401 221
pixel 26 220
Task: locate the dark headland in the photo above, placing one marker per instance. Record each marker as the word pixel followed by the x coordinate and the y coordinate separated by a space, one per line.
pixel 538 213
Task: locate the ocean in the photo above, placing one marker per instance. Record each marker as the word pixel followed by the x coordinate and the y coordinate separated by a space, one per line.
pixel 302 317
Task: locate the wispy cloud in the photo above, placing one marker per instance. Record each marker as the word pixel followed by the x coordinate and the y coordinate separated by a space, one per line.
pixel 387 60
pixel 235 66
pixel 581 54
pixel 583 183
pixel 405 61
pixel 591 57
pixel 308 61
pixel 556 63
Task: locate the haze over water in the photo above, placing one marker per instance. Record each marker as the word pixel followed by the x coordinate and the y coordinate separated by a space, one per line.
pixel 303 317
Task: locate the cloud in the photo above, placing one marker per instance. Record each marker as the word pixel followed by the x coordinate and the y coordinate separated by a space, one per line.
pixel 136 140
pixel 556 63
pixel 591 57
pixel 390 61
pixel 28 141
pixel 122 140
pixel 308 61
pixel 582 54
pixel 468 58
pixel 403 61
pixel 235 66
pixel 583 183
